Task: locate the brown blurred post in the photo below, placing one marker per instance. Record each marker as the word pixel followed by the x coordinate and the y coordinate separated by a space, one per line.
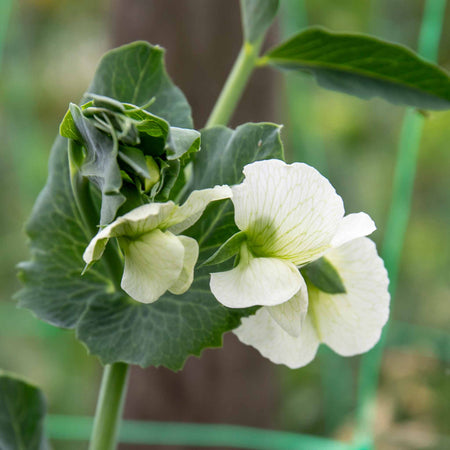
pixel 202 38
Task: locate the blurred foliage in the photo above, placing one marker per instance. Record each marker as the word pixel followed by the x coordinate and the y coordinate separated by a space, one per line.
pixel 355 143
pixel 50 56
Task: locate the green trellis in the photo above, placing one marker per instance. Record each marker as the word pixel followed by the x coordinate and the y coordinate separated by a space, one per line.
pixel 397 334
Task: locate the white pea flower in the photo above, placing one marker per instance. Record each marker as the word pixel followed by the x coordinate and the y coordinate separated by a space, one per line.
pixel 290 215
pixel 349 323
pixel 157 259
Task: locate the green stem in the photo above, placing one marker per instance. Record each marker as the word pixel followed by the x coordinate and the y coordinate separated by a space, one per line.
pixel 397 224
pixel 235 84
pixel 109 407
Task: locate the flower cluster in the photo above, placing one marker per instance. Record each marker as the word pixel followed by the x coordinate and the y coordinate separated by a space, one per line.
pixel 312 271
pixel 291 217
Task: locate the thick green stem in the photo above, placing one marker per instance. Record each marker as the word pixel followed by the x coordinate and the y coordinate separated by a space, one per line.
pixel 109 407
pixel 235 84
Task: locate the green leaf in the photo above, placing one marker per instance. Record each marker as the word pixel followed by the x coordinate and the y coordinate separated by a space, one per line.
pixel 324 276
pixel 182 142
pixel 229 249
pixel 257 16
pixel 248 143
pixel 364 66
pixel 135 73
pixel 53 288
pixel 22 411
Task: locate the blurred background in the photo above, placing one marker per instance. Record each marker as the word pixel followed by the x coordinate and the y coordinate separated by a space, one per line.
pixel 49 52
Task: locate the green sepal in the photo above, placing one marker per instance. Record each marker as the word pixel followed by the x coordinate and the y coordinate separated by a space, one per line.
pixel 365 67
pixel 22 413
pixel 229 249
pixel 324 276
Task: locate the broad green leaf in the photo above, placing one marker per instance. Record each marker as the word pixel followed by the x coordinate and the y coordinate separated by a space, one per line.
pixel 226 251
pixel 364 66
pixel 257 16
pixel 135 73
pixel 22 411
pixel 324 276
pixel 53 288
pixel 248 143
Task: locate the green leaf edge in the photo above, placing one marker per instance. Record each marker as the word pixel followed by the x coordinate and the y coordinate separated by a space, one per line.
pixel 278 63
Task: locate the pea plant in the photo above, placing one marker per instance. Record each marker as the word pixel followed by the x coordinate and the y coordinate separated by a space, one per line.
pixel 152 239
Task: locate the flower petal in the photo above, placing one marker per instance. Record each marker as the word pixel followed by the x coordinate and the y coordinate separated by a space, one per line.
pixel 187 273
pixel 142 219
pixel 290 315
pixel 153 263
pixel 256 281
pixel 351 323
pixel 136 222
pixel 287 211
pixel 353 226
pixel 264 333
pixel 187 214
pixel 96 247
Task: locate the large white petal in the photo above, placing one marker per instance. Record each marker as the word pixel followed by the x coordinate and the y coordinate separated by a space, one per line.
pixel 133 224
pixel 351 323
pixel 290 315
pixel 187 273
pixel 353 226
pixel 190 211
pixel 272 341
pixel 287 211
pixel 256 281
pixel 153 263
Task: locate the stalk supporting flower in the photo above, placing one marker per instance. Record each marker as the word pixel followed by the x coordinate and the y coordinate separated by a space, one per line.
pixel 156 258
